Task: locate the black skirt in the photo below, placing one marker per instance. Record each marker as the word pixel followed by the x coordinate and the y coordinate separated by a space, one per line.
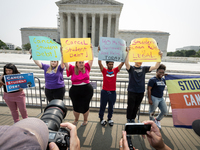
pixel 81 96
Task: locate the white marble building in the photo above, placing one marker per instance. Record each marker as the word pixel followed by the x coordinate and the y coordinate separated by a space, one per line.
pixel 93 19
pixel 38 31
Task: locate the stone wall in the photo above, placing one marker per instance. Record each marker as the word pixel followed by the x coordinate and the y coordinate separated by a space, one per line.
pixel 34 31
pixel 14 51
pixel 181 59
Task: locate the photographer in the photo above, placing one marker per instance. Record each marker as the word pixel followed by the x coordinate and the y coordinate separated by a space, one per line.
pixel 32 133
pixel 154 137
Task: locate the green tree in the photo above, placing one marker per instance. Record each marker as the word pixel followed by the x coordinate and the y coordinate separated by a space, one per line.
pixel 190 53
pixel 179 53
pixel 3 45
pixel 197 53
pixel 27 46
pixel 18 48
pixel 170 53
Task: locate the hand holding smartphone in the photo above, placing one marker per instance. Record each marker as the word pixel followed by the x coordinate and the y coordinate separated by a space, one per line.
pixel 137 128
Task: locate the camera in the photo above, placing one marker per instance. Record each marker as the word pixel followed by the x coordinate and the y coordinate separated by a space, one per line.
pixel 135 128
pixel 53 115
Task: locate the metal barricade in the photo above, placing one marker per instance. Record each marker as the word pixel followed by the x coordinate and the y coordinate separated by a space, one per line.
pixel 35 96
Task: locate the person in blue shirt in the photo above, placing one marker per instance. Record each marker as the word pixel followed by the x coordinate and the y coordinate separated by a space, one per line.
pixel 155 88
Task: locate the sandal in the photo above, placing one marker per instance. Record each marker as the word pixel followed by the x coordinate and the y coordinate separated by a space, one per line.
pixel 103 122
pixel 75 123
pixel 84 124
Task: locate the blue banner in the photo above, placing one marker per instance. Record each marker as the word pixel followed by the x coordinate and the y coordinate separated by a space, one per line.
pixel 16 81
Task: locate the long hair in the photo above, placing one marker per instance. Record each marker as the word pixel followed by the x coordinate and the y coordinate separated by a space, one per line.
pixel 51 68
pixel 76 70
pixel 12 67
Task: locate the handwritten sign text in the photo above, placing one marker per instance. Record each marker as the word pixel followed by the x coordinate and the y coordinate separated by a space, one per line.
pixel 144 50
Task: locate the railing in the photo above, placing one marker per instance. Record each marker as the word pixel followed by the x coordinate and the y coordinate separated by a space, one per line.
pixel 35 97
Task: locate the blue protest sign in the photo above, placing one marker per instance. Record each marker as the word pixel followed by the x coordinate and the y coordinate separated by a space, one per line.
pixel 16 81
pixel 112 49
pixel 44 48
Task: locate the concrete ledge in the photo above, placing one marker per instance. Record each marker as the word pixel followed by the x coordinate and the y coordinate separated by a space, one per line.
pixel 181 59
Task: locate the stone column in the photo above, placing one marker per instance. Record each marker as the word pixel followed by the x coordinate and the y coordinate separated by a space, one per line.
pixel 84 26
pixel 101 26
pixel 61 25
pixel 109 25
pixel 64 26
pixel 69 25
pixel 116 25
pixel 93 29
pixel 76 25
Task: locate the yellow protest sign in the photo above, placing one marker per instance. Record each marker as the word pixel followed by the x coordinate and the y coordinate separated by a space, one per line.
pixel 76 49
pixel 144 50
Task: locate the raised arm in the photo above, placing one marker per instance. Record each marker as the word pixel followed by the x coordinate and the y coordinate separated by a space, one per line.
pixel 99 61
pixel 100 65
pixel 65 64
pixel 62 63
pixel 120 65
pixel 38 63
pixel 90 62
pixel 127 59
pixel 157 64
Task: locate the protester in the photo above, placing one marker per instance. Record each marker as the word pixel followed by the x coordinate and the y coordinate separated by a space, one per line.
pixel 32 133
pixel 15 99
pixel 156 86
pixel 54 82
pixel 108 92
pixel 136 87
pixel 81 91
pixel 154 138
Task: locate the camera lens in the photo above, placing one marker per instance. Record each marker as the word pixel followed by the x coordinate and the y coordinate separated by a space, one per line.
pixel 54 113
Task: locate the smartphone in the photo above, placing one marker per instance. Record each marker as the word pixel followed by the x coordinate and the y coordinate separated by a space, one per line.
pixel 137 128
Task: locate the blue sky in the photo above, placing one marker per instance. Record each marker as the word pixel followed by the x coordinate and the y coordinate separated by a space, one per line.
pixel 180 18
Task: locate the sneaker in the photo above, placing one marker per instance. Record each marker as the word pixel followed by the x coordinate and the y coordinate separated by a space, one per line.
pixel 132 120
pixel 157 123
pixel 129 120
pixel 110 122
pixel 103 122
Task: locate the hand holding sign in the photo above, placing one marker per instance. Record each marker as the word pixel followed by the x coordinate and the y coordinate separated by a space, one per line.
pixel 144 50
pixel 44 48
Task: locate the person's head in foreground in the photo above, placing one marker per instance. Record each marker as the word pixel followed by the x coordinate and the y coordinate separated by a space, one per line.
pixel 33 134
pixel 29 133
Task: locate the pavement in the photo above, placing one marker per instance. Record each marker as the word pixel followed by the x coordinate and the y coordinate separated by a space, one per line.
pixel 93 136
